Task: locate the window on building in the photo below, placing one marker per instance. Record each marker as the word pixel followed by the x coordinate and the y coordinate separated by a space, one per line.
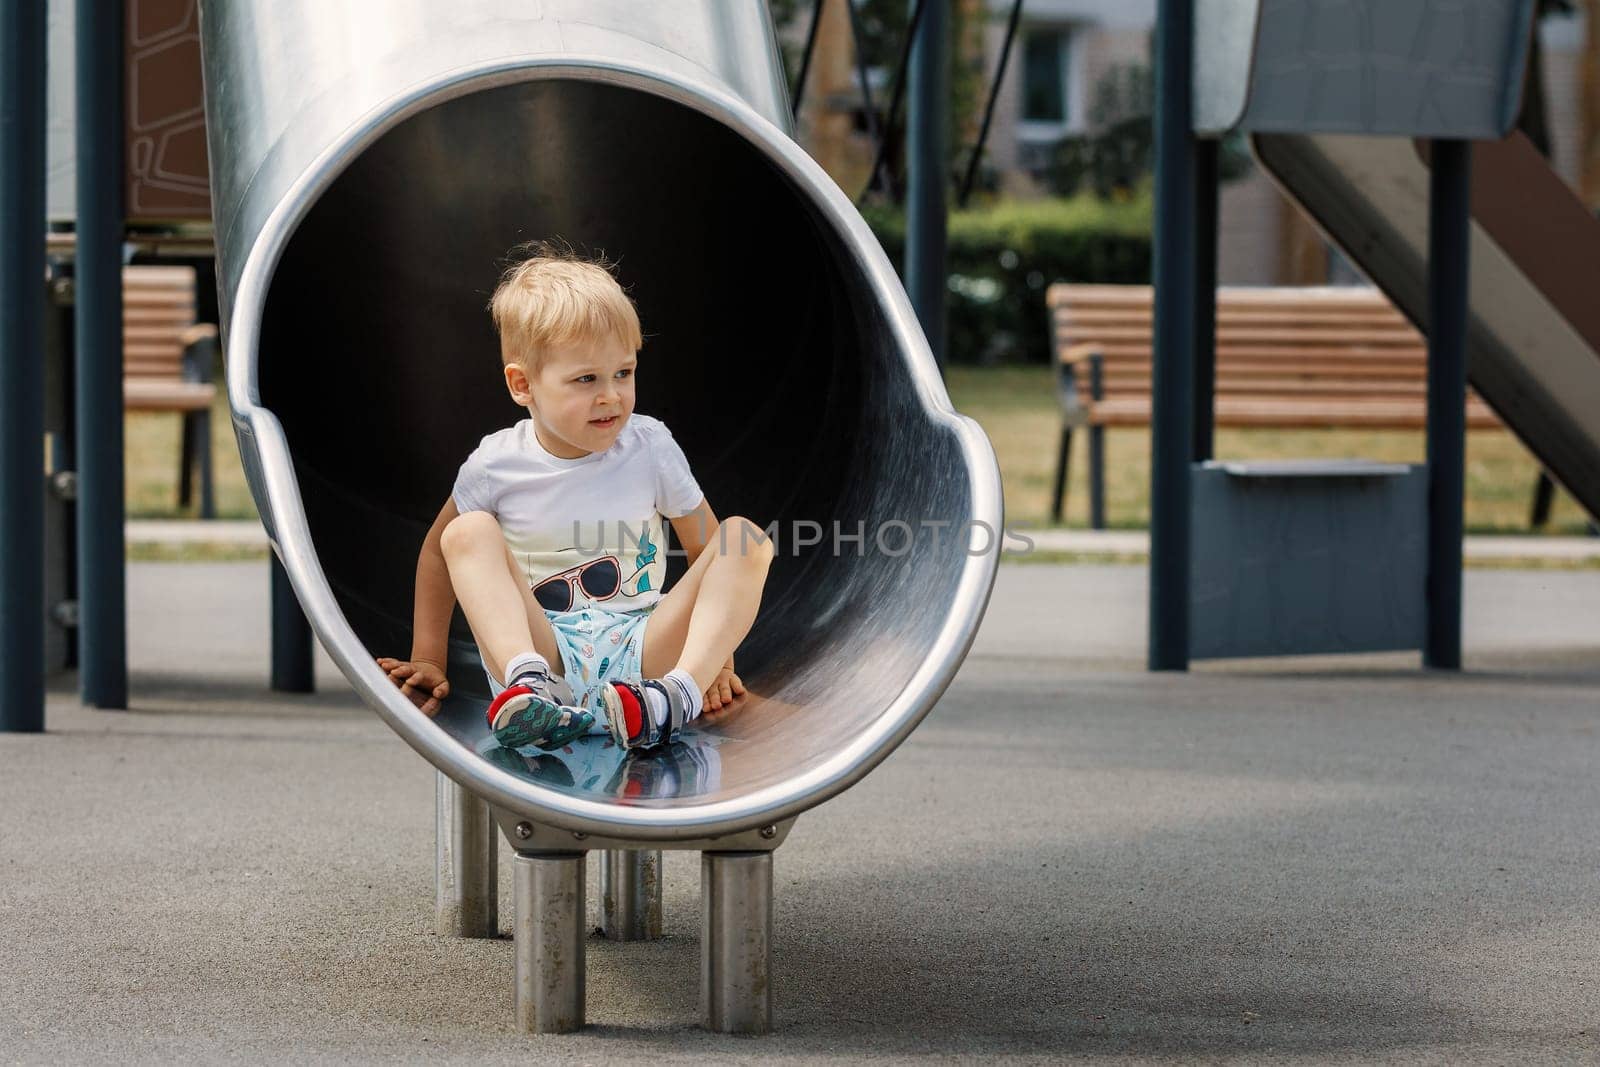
pixel 1046 70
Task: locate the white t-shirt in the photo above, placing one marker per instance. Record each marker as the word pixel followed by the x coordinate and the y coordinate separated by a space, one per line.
pixel 586 531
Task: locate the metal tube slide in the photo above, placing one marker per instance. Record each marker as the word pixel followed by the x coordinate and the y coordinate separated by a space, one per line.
pixel 373 160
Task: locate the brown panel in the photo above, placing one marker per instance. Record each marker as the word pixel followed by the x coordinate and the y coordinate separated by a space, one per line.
pixel 1558 246
pixel 168 178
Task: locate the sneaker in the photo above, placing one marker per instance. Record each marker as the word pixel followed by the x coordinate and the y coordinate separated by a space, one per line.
pixel 628 714
pixel 545 769
pixel 673 770
pixel 523 715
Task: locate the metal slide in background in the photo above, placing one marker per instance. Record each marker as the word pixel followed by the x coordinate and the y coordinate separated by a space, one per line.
pixel 1534 327
pixel 1341 99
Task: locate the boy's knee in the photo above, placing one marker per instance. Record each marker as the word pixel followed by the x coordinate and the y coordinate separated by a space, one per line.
pixel 467 529
pixel 743 538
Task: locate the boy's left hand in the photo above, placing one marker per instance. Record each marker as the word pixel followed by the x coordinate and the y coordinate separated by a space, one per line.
pixel 722 691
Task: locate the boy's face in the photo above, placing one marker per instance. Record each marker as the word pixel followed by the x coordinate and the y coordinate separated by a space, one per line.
pixel 580 398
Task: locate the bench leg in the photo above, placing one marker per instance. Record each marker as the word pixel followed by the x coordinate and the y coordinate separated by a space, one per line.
pixel 466 870
pixel 548 936
pixel 202 445
pixel 630 894
pixel 1544 491
pixel 1097 477
pixel 736 942
pixel 186 459
pixel 1058 499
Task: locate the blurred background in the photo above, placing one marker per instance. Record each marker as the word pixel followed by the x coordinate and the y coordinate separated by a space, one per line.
pixel 1061 193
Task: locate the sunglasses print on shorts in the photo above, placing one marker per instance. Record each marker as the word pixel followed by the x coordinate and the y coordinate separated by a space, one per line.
pixel 599 579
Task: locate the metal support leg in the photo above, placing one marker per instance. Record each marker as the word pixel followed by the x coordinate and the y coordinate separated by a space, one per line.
pixel 1172 383
pixel 928 175
pixel 630 894
pixel 1058 499
pixel 22 386
pixel 60 502
pixel 548 932
pixel 467 876
pixel 1097 477
pixel 736 942
pixel 292 665
pixel 1544 492
pixel 202 444
pixel 1097 447
pixel 1205 299
pixel 101 219
pixel 185 459
pixel 1449 225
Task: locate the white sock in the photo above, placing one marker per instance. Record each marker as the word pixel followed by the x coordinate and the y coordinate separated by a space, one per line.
pixel 694 699
pixel 526 663
pixel 687 686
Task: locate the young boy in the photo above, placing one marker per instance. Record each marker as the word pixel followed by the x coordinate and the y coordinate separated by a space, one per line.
pixel 552 538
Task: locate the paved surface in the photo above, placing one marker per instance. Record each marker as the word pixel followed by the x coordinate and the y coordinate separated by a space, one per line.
pixel 1296 861
pixel 1477 549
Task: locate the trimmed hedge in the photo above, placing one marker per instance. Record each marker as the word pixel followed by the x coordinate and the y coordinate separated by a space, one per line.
pixel 1003 257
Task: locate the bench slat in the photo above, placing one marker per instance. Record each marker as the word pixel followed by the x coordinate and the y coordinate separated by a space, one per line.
pixel 1298 387
pixel 167 396
pixel 1227 295
pixel 1295 413
pixel 1347 366
pixel 158 308
pixel 1247 337
pixel 1228 317
pixel 1285 357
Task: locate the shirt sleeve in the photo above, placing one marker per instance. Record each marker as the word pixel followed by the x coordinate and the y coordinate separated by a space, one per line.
pixel 677 492
pixel 471 491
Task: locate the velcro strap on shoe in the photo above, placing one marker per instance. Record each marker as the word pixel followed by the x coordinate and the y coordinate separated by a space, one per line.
pixel 675 709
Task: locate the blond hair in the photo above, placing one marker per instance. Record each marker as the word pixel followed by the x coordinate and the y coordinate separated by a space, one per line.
pixel 550 295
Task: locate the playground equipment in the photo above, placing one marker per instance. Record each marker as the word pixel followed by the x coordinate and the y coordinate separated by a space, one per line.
pixel 1533 336
pixel 1468 232
pixel 371 161
pixel 1348 158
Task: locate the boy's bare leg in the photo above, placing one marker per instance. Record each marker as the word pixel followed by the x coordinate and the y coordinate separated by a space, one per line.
pixel 701 620
pixel 505 618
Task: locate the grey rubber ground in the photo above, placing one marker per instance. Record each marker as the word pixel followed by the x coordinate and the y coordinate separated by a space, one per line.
pixel 1327 861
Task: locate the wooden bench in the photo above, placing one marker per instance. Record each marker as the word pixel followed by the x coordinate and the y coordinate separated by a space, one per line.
pixel 167 361
pixel 1286 358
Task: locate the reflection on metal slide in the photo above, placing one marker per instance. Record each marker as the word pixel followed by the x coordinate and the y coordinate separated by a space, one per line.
pixel 1534 323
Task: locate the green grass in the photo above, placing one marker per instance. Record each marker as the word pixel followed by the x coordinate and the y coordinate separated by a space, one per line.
pixel 152 441
pixel 1476 563
pixel 194 552
pixel 1017 408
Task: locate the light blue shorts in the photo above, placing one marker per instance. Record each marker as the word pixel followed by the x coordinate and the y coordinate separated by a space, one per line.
pixel 597 646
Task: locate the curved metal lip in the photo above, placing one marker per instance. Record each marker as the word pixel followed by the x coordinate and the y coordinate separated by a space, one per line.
pixel 761 807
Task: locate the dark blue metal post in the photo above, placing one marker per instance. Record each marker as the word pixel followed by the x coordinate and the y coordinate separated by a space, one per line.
pixel 292 667
pixel 1205 299
pixel 1097 448
pixel 1172 390
pixel 102 579
pixel 1449 226
pixel 928 153
pixel 22 207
